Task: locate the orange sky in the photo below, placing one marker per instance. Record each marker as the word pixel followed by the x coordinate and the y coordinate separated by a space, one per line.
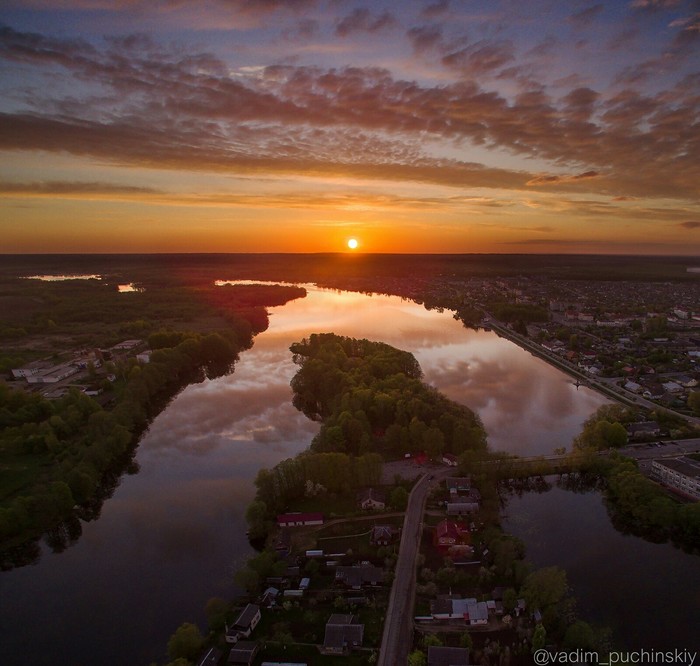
pixel 292 126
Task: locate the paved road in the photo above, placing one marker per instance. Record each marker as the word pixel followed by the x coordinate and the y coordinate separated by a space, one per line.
pixel 398 624
pixel 397 638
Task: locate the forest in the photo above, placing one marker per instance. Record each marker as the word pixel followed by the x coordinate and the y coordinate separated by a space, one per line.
pixel 56 455
pixel 370 398
pixel 372 406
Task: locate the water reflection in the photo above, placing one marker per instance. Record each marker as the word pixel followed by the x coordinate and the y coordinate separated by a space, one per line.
pixel 128 288
pixel 60 278
pixel 173 534
pixel 648 594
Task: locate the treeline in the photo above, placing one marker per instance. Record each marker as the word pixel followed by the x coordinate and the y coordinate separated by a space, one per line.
pixel 518 312
pixel 96 307
pixel 370 398
pixel 53 454
pixel 308 475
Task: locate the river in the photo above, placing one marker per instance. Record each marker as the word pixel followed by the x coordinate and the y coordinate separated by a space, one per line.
pixel 172 535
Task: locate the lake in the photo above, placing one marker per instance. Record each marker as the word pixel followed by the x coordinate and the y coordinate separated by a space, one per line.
pixel 647 593
pixel 172 535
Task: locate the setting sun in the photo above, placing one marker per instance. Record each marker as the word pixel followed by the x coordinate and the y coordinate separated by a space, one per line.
pixel 352 243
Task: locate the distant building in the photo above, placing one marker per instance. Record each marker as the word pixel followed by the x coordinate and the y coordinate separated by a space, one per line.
pixel 126 345
pixel 244 624
pixel 243 653
pixel 383 535
pixel 458 484
pixel 681 475
pixel 637 431
pixel 449 459
pixel 371 499
pixel 359 575
pixel 299 519
pixel 343 634
pixel 449 534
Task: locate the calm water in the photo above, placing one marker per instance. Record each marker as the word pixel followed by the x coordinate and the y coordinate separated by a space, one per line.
pixel 648 594
pixel 171 536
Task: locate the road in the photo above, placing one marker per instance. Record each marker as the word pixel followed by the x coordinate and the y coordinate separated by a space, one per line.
pixel 398 623
pixel 606 386
pixel 397 638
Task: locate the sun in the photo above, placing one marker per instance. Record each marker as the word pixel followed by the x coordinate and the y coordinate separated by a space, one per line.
pixel 353 244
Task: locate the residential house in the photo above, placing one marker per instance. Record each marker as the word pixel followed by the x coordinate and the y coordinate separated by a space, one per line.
pixel 243 653
pixel 449 459
pixel 359 575
pixel 371 499
pixel 447 656
pixel 126 345
pixel 637 431
pixel 299 519
pixel 384 535
pixel 478 613
pixel 449 533
pixel 244 624
pixel 269 597
pixel 458 484
pixel 450 607
pixel 343 633
pixel 459 504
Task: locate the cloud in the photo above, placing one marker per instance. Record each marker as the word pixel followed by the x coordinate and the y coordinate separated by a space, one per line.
pixel 586 16
pixel 689 224
pixel 304 30
pixel 362 20
pixel 156 106
pixel 436 9
pixel 73 189
pixel 654 4
pixel 481 57
pixel 425 37
pixel 556 180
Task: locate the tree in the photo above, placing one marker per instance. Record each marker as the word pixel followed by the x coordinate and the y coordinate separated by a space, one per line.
pixel 186 642
pixel 399 498
pixel 539 638
pixel 694 401
pixel 544 587
pixel 417 658
pixel 431 640
pixel 256 516
pixel 216 611
pixel 465 641
pixel 579 635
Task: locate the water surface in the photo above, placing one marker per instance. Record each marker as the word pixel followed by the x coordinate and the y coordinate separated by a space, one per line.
pixel 172 535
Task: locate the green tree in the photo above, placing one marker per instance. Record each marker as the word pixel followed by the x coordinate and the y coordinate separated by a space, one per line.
pixel 417 658
pixel 544 587
pixel 694 401
pixel 216 611
pixel 186 642
pixel 399 498
pixel 579 635
pixel 431 640
pixel 539 638
pixel 257 518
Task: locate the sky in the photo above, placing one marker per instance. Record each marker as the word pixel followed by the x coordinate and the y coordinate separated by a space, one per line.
pixel 458 126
